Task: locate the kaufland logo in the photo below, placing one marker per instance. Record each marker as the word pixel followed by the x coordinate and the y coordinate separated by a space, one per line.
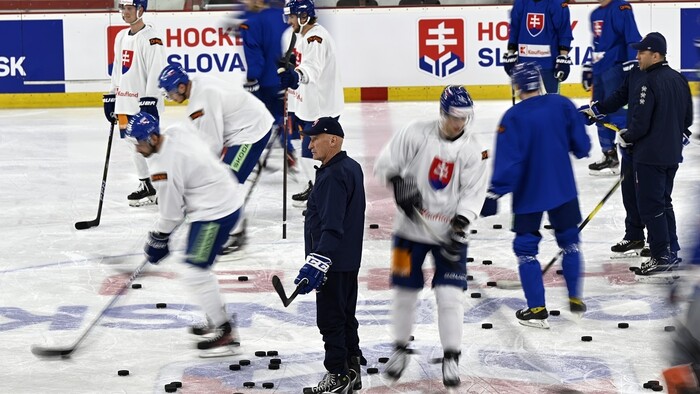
pixel 441 46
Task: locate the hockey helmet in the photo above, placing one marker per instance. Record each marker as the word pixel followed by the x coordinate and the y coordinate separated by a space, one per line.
pixel 135 3
pixel 527 76
pixel 171 77
pixel 141 126
pixel 455 101
pixel 299 7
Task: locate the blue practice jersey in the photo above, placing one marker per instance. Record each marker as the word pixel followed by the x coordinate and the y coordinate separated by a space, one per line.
pixel 538 29
pixel 532 153
pixel 262 40
pixel 613 28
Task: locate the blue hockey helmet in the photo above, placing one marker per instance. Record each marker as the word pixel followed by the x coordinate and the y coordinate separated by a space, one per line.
pixel 527 76
pixel 141 126
pixel 135 3
pixel 455 101
pixel 171 77
pixel 300 7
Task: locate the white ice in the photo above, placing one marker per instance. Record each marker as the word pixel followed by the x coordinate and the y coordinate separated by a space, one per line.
pixel 54 279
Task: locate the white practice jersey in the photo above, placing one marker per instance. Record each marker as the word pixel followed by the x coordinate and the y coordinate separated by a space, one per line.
pixel 286 40
pixel 452 177
pixel 320 91
pixel 138 61
pixel 226 114
pixel 190 180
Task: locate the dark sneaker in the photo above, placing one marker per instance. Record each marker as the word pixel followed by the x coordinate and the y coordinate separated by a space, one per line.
pixel 533 317
pixel 356 373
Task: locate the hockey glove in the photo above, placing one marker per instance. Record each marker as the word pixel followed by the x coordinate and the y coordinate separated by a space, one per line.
pixel 407 195
pixel 457 245
pixel 629 65
pixel 108 103
pixel 314 271
pixel 509 61
pixel 562 66
pixel 587 77
pixel 591 113
pixel 289 78
pixel 620 139
pixel 156 247
pixel 252 86
pixel 149 106
pixel 686 137
pixel 490 207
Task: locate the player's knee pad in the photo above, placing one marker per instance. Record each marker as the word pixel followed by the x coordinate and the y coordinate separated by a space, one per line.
pixel 568 238
pixel 526 244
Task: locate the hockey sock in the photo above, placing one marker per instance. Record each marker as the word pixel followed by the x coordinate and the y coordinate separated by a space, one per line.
pixel 307 168
pixel 450 303
pixel 403 313
pixel 205 287
pixel 141 165
pixel 531 279
pixel 571 265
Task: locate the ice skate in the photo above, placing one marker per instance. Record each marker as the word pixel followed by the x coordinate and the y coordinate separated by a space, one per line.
pixel 609 165
pixel 397 362
pixel 626 249
pixel 450 369
pixel 144 195
pixel 299 199
pixel 219 343
pixel 331 383
pixel 576 306
pixel 658 270
pixel 234 243
pixel 533 317
pixel 355 374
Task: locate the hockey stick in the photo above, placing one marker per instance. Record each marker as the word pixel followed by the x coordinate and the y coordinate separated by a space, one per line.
pixel 286 130
pixel 65 352
pixel 96 222
pixel 279 288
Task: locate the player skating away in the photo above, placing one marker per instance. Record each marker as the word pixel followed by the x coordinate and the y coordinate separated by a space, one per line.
pixel 192 182
pixel 235 125
pixel 435 166
pixel 533 143
pixel 138 58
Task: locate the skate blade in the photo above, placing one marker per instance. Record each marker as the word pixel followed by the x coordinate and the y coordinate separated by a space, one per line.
pixel 657 279
pixel 536 323
pixel 220 351
pixel 144 202
pixel 625 255
pixel 605 172
pixel 299 204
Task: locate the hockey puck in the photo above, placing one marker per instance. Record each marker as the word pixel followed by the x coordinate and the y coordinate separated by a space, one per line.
pixel 161 305
pixel 268 385
pixel 472 231
pixel 242 278
pixel 652 382
pixel 136 286
pixel 548 226
pixel 123 372
pixel 554 312
pixel 436 360
pixel 169 388
pixel 487 262
pixel 647 385
pixel 383 360
pixel 372 371
pixel 273 366
pixel 470 259
pixel 657 387
pixel 303 213
pixel 633 269
pixel 670 328
pixel 476 295
pixel 272 353
pixel 486 325
pixel 623 325
pixel 470 277
pixel 586 338
pixel 244 362
pixel 260 353
pixel 249 384
pixel 560 272
pixel 491 283
pixel 412 338
pixel 373 226
pixel 234 367
pixel 497 226
pixel 176 384
pixel 275 361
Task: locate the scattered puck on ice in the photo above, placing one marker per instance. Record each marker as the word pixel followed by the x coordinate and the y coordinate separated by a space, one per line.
pixel 373 225
pixel 268 385
pixel 486 325
pixel 242 278
pixel 657 387
pixel 412 338
pixel 303 213
pixel 273 366
pixel 234 367
pixel 670 328
pixel 623 325
pixel 470 277
pixel 169 388
pixel 136 286
pixel 548 226
pixel 554 313
pixel 244 362
pixel 123 372
pixel 497 226
pixel 372 371
pixel 647 385
pixel 436 360
pixel 492 284
pixel 634 269
pixel 470 259
pixel 176 384
pixel 249 384
pixel 261 353
pixel 487 262
pixel 652 383
pixel 383 360
pixel 560 272
pixel 272 353
pixel 472 231
pixel 161 305
pixel 476 295
pixel 586 338
pixel 275 361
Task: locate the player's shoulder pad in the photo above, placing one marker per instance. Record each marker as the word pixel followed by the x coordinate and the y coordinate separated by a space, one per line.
pixel 484 154
pixel 314 38
pixel 155 41
pixel 197 114
pixel 161 176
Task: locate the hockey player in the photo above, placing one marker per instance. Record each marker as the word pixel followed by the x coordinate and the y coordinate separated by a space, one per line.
pixel 614 28
pixel 235 125
pixel 540 31
pixel 533 143
pixel 435 167
pixel 333 232
pixel 192 182
pixel 138 58
pixel 315 80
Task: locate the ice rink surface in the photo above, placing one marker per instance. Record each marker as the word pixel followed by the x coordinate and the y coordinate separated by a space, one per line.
pixel 55 279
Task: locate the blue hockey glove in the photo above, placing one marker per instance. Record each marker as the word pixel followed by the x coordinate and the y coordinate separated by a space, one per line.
pixel 562 66
pixel 620 139
pixel 591 113
pixel 490 207
pixel 149 106
pixel 108 103
pixel 629 65
pixel 314 271
pixel 289 78
pixel 587 77
pixel 509 61
pixel 453 250
pixel 407 195
pixel 252 86
pixel 156 247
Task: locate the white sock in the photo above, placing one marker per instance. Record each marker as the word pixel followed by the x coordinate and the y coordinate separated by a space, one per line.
pixel 450 302
pixel 140 163
pixel 205 287
pixel 307 168
pixel 403 313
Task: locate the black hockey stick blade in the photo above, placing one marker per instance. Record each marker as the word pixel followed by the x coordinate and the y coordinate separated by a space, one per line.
pixel 87 224
pixel 279 288
pixel 51 352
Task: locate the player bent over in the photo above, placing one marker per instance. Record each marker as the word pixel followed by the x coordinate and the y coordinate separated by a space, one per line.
pixel 192 182
pixel 435 167
pixel 532 161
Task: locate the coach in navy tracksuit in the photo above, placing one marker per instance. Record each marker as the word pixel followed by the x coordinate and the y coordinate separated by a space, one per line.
pixel 659 119
pixel 333 231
